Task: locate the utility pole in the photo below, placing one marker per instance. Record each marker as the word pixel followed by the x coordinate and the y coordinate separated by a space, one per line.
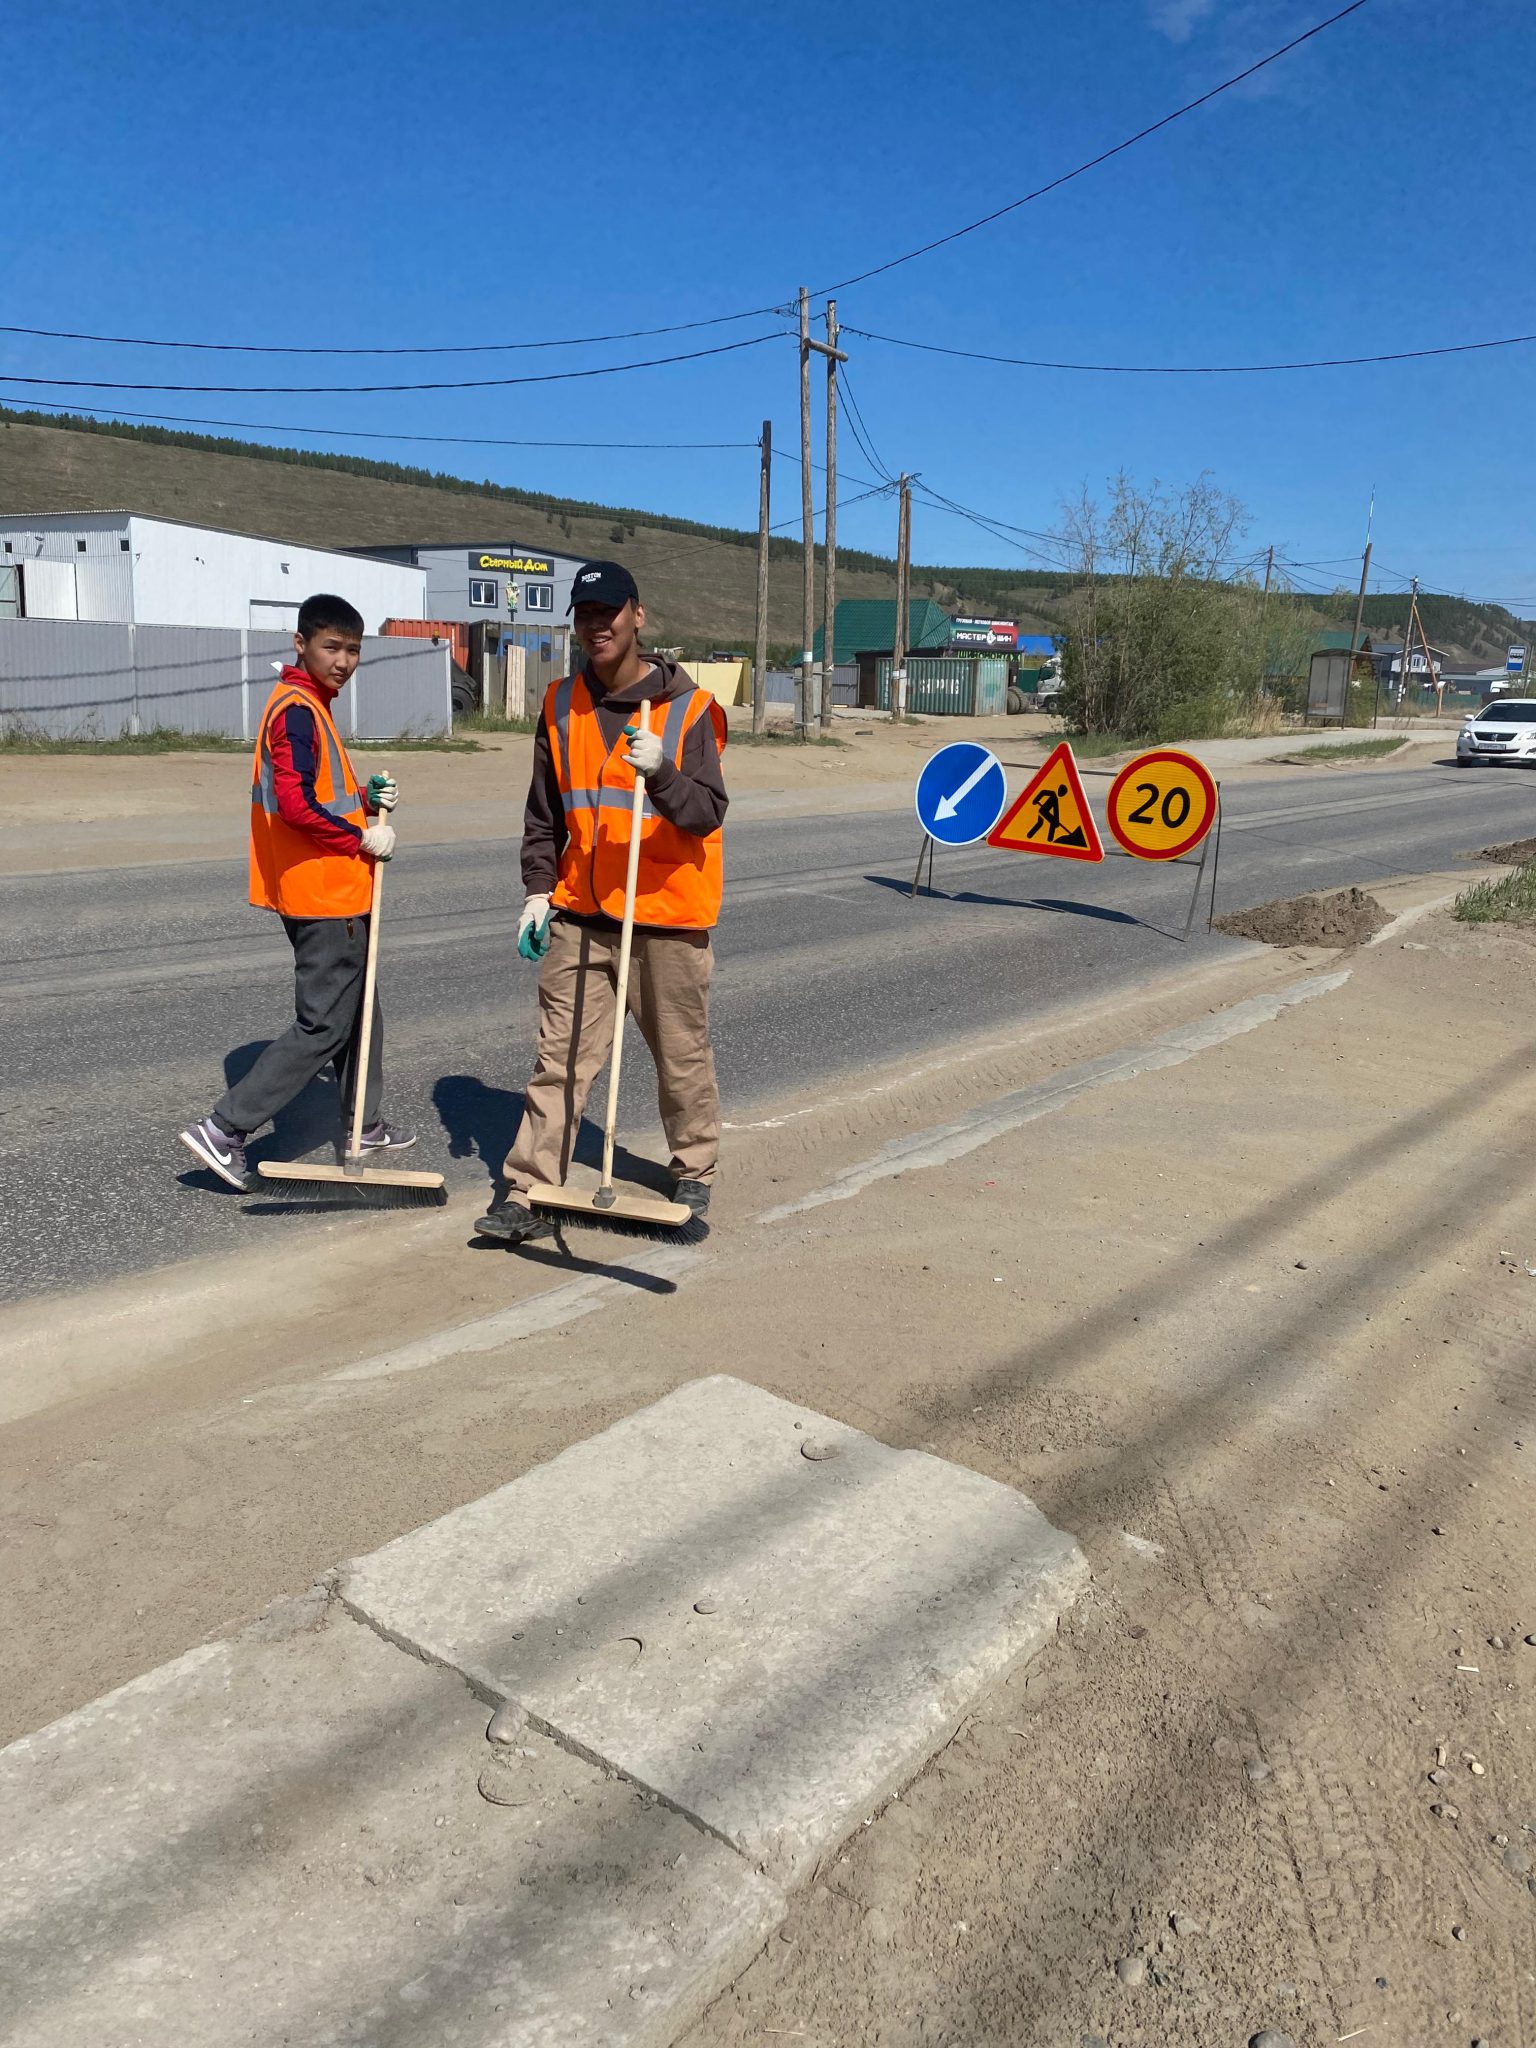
pixel 1269 570
pixel 903 586
pixel 834 356
pixel 1354 642
pixel 807 521
pixel 829 588
pixel 760 664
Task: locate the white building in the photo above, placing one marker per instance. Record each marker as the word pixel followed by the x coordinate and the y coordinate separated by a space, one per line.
pixel 132 569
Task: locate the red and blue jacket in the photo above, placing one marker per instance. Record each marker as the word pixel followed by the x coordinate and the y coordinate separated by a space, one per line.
pixel 295 742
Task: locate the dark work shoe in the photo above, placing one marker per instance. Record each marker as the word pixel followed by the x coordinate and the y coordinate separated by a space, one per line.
pixel 223 1154
pixel 513 1223
pixel 694 1196
pixel 383 1137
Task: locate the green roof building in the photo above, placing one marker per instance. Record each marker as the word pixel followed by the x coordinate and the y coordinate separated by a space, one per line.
pixel 867 625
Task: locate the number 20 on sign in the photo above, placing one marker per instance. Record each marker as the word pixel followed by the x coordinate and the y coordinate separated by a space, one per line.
pixel 1162 804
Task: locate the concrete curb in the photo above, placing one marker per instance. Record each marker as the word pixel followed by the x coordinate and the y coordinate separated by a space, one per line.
pixel 737 1626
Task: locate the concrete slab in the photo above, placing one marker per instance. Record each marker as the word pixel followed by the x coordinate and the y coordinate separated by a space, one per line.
pixel 281 1842
pixel 765 1617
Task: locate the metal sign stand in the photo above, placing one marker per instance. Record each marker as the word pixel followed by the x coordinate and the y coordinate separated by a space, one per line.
pixel 925 848
pixel 1210 914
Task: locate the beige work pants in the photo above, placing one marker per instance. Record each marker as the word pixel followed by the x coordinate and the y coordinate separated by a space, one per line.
pixel 669 975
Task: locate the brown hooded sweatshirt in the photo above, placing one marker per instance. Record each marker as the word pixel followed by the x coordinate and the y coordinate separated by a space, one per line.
pixel 691 796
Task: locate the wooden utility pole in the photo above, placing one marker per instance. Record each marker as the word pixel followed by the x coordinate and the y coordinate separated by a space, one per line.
pixel 807 521
pixel 1354 642
pixel 834 355
pixel 1269 570
pixel 903 586
pixel 829 587
pixel 760 664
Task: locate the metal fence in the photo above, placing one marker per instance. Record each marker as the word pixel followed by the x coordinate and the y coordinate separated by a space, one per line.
pixel 86 679
pixel 779 685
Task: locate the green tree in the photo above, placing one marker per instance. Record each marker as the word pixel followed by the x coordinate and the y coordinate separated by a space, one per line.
pixel 1162 641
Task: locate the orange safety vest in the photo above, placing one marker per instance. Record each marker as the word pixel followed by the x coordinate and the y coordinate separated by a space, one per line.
pixel 289 873
pixel 681 877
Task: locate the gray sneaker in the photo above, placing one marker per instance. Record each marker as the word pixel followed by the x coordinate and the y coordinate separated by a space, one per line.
pixel 694 1196
pixel 383 1137
pixel 221 1153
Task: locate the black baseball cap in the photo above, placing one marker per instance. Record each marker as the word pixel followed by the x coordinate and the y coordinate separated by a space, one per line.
pixel 607 583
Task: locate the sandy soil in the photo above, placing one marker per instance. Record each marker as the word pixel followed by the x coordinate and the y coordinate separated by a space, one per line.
pixel 1342 917
pixel 1257 1329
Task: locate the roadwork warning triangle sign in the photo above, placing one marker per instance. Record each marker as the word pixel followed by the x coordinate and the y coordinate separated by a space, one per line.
pixel 1052 816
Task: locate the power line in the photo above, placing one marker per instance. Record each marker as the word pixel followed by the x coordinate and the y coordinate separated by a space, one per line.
pixel 861 433
pixel 788 455
pixel 1407 355
pixel 1103 157
pixel 101 413
pixel 465 348
pixel 678 327
pixel 447 384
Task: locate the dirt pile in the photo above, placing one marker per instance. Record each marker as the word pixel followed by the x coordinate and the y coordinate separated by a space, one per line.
pixel 1346 917
pixel 1514 852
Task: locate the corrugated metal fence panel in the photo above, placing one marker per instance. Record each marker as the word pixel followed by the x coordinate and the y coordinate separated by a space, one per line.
pixel 62 679
pixel 86 679
pixel 938 686
pixel 779 685
pixel 991 685
pixel 402 690
pixel 189 679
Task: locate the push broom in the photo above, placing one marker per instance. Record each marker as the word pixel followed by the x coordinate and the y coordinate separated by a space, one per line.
pixel 387 1186
pixel 605 1204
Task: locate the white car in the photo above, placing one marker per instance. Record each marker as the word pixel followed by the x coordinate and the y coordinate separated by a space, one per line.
pixel 1505 731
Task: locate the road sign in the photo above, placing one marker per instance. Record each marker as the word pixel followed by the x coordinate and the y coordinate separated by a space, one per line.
pixel 1052 816
pixel 1514 661
pixel 1161 804
pixel 960 793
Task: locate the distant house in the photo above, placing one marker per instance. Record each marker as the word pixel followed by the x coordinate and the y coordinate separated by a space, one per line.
pixel 1387 660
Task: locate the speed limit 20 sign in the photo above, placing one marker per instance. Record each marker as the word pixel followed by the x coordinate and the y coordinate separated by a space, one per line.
pixel 1162 804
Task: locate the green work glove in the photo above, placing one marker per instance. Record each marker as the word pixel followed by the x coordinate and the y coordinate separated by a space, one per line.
pixel 533 929
pixel 383 792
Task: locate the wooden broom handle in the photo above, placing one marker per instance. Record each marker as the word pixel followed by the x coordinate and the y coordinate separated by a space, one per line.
pixel 365 1035
pixel 626 943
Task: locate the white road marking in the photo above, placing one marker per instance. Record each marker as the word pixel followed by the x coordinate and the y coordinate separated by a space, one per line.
pixel 996 1120
pixel 584 1296
pixel 563 1304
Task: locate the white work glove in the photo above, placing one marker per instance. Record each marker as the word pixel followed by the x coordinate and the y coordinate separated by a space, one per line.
pixel 379 841
pixel 383 792
pixel 533 928
pixel 644 754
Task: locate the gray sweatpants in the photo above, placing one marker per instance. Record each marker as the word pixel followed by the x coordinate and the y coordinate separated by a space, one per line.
pixel 329 957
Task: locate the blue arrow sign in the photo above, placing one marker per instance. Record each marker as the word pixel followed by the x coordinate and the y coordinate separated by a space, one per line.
pixel 961 793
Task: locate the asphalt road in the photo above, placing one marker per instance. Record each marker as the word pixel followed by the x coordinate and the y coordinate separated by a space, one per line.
pixel 127 996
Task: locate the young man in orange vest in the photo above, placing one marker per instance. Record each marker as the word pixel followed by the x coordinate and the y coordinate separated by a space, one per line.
pixel 575 852
pixel 315 835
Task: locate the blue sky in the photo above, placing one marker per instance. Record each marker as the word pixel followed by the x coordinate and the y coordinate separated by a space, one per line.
pixel 410 175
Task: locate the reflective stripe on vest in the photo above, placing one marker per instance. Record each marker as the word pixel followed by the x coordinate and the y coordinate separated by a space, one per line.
pixel 680 875
pixel 349 804
pixel 288 872
pixel 671 729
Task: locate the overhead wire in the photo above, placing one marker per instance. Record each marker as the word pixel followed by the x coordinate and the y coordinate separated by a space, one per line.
pixel 861 433
pixel 107 415
pixel 442 384
pixel 1104 156
pixel 459 348
pixel 712 320
pixel 1405 355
